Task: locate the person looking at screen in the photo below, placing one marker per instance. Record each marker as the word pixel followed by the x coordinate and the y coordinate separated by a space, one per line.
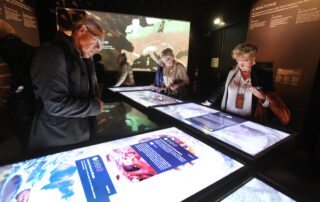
pixel 248 91
pixel 65 82
pixel 125 74
pixel 175 77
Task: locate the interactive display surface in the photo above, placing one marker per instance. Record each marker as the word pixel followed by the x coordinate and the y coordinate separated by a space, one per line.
pixel 133 88
pixel 149 98
pixel 250 137
pixel 121 119
pixel 141 38
pixel 164 165
pixel 203 118
pixel 256 190
pixel 247 136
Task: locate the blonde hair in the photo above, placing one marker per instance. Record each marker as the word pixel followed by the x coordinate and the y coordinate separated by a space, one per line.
pixel 245 49
pixel 5 29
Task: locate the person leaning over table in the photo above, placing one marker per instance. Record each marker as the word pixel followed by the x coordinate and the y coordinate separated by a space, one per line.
pixel 65 82
pixel 248 91
pixel 175 77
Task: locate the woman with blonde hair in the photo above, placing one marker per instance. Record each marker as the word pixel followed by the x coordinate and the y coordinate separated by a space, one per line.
pixel 248 91
pixel 175 77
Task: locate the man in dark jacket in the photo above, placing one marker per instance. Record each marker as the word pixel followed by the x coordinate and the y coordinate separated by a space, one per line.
pixel 65 81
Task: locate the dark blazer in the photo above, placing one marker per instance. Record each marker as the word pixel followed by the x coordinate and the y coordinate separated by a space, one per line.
pixel 66 85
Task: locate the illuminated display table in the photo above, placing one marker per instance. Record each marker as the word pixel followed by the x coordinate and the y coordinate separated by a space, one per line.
pixel 163 165
pixel 250 138
pixel 120 119
pixel 149 98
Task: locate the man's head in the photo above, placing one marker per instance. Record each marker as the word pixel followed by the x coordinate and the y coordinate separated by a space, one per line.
pixel 88 37
pixel 5 29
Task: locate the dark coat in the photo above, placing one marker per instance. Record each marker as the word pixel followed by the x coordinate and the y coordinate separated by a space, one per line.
pixel 66 85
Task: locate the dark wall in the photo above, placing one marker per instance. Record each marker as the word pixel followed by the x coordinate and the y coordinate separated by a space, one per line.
pixel 21 15
pixel 218 44
pixel 289 37
pixel 218 41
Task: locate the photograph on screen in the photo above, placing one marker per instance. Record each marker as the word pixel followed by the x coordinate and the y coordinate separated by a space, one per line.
pixel 173 163
pixel 203 118
pixel 256 190
pixel 121 119
pixel 149 98
pixel 141 38
pixel 250 137
pixel 133 88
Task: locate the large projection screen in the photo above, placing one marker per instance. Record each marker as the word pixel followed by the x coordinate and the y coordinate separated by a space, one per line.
pixel 140 37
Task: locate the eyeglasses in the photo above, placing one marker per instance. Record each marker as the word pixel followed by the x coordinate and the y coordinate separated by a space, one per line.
pixel 96 38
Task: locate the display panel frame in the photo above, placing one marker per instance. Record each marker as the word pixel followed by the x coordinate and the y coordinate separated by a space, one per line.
pixel 132 88
pixel 220 182
pixel 121 120
pixel 225 146
pixel 145 95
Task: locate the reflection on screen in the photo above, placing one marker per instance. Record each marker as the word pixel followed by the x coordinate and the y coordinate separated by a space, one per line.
pixel 149 98
pixel 200 117
pixel 121 119
pixel 133 88
pixel 141 38
pixel 170 161
pixel 256 190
